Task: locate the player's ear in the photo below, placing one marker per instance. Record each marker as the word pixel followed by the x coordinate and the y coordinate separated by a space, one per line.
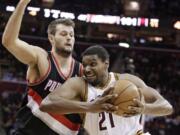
pixel 51 39
pixel 107 63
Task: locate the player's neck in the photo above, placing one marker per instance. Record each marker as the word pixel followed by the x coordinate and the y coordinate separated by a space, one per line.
pixel 105 81
pixel 62 59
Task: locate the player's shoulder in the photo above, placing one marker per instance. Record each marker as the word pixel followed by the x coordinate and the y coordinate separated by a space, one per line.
pixel 40 50
pixel 125 75
pixel 77 83
pixel 120 75
pixel 76 80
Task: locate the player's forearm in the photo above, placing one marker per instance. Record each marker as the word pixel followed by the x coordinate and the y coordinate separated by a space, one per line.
pixel 158 108
pixel 13 26
pixel 64 106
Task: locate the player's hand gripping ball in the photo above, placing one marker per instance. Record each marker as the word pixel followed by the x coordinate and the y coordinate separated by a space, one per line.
pixel 127 92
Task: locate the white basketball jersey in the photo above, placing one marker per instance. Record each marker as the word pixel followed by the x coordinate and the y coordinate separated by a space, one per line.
pixel 108 123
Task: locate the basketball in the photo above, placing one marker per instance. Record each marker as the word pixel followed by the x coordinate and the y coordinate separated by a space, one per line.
pixel 126 91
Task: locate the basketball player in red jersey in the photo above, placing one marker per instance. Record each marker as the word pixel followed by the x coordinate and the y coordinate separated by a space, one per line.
pixel 46 71
pixel 86 94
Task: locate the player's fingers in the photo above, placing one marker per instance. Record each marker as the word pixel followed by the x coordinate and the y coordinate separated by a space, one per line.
pixel 138 102
pixel 106 106
pixel 108 97
pixel 108 91
pixel 129 114
pixel 109 107
pixel 112 109
pixel 136 110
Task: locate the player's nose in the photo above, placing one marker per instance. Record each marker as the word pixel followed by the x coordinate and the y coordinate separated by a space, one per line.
pixel 87 69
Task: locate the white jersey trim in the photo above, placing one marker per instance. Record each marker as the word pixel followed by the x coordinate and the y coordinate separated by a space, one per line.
pixel 48 120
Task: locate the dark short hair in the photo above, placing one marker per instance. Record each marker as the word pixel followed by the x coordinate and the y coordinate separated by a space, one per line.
pixel 100 51
pixel 53 24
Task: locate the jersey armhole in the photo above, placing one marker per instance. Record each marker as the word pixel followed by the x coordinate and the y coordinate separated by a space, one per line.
pixel 116 76
pixel 40 80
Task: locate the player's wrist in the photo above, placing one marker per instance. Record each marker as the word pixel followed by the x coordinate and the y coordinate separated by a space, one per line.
pixel 24 2
pixel 90 107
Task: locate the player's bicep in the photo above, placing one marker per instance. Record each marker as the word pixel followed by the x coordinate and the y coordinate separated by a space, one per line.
pixel 24 52
pixel 69 90
pixel 150 94
pixel 134 79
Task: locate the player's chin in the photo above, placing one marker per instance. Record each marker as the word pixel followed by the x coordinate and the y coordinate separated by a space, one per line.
pixel 91 81
pixel 68 50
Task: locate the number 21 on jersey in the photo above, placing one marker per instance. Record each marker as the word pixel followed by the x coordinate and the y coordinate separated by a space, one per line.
pixel 103 119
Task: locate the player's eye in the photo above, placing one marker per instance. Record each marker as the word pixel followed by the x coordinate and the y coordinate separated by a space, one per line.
pixel 72 34
pixel 63 33
pixel 93 64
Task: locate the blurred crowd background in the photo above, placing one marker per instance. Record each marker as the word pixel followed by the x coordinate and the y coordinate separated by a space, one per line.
pixel 153 54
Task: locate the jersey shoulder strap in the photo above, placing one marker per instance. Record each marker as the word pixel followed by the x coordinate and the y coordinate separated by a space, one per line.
pixel 116 76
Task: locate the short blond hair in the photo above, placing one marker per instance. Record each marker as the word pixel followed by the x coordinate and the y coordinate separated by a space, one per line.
pixel 52 26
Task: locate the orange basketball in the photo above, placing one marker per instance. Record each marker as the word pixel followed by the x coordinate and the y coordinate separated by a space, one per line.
pixel 126 91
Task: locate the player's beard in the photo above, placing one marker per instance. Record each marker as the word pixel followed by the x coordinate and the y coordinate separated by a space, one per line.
pixel 94 82
pixel 63 52
pixel 98 81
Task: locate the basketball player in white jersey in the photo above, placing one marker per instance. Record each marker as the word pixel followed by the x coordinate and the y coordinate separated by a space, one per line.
pixel 90 95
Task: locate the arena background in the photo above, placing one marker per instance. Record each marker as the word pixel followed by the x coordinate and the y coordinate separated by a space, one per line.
pixel 142 37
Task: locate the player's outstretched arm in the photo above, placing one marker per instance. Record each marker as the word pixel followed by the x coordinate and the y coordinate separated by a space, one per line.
pixel 155 104
pixel 68 98
pixel 24 52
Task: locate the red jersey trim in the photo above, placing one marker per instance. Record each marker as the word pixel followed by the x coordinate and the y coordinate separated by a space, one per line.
pixel 60 118
pixel 81 70
pixel 59 68
pixel 38 81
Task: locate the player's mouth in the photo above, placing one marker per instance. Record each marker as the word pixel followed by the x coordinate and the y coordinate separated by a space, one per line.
pixel 90 77
pixel 68 44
